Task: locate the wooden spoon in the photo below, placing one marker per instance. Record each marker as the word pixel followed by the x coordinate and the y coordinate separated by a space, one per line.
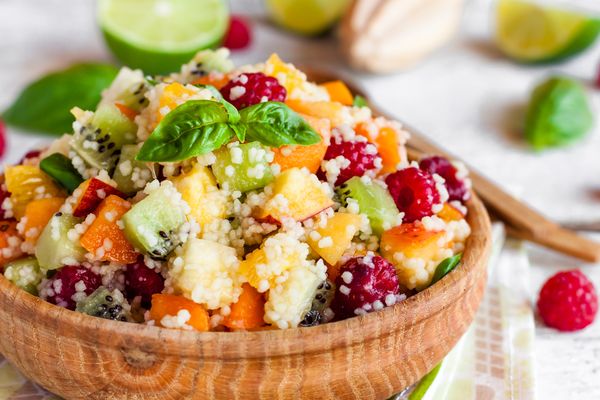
pixel 522 221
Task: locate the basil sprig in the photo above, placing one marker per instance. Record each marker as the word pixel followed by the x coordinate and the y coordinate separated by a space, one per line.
pixel 200 126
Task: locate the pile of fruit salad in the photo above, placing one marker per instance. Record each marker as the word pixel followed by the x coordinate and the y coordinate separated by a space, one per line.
pixel 222 198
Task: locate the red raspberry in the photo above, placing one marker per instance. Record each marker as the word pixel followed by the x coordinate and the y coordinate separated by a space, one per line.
pixel 568 301
pixel 2 138
pixel 239 35
pixel 142 281
pixel 361 155
pixel 30 155
pixel 252 88
pixel 365 284
pixel 457 188
pixel 414 192
pixel 69 276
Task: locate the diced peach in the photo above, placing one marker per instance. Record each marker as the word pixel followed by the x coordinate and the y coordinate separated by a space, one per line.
pixel 171 97
pixel 288 76
pixel 412 240
pixel 338 91
pixel 450 213
pixel 335 238
pixel 126 111
pixel 37 215
pixel 105 234
pixel 309 157
pixel 386 140
pixel 297 194
pixel 169 305
pixel 248 312
pixel 93 191
pixel 10 242
pixel 26 183
pixel 333 111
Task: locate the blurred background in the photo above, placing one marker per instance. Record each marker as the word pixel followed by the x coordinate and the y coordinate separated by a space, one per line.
pixel 452 78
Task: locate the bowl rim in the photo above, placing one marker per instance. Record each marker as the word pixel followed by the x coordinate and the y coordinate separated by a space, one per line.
pixel 258 344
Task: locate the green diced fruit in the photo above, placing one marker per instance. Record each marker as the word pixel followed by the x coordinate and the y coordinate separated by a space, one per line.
pixel 245 167
pixel 61 169
pixel 373 200
pixel 207 61
pixel 131 175
pixel 54 249
pixel 99 142
pixel 129 88
pixel 105 304
pixel 25 273
pixel 152 224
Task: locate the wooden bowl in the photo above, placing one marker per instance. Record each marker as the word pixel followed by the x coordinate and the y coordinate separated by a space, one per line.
pixel 368 357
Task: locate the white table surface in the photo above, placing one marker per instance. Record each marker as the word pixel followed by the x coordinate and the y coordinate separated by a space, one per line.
pixel 466 97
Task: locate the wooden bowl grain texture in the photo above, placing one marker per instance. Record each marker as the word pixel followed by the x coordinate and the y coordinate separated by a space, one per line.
pixel 367 357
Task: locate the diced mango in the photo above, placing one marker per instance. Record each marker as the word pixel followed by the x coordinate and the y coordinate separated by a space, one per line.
pixel 168 305
pixel 199 189
pixel 388 144
pixel 215 79
pixel 27 183
pixel 338 91
pixel 333 111
pixel 297 194
pixel 37 215
pixel 105 236
pixel 172 96
pixel 331 241
pixel 288 76
pixel 450 213
pixel 309 157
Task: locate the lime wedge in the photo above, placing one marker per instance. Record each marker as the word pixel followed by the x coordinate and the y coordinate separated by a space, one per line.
pixel 530 33
pixel 160 35
pixel 307 17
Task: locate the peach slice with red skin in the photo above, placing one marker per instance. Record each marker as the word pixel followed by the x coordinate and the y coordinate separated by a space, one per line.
pixel 412 240
pixel 93 191
pixel 297 194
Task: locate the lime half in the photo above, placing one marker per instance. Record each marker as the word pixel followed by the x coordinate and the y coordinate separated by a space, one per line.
pixel 307 17
pixel 530 33
pixel 160 35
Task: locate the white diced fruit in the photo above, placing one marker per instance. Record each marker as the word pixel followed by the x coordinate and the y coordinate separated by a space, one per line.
pixel 208 274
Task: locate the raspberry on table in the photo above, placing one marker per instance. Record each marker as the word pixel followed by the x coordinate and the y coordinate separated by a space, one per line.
pixel 239 35
pixel 142 281
pixel 365 284
pixel 357 158
pixel 568 301
pixel 414 191
pixel 457 188
pixel 252 88
pixel 67 281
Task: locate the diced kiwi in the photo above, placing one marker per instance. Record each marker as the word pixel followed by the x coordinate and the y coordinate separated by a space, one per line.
pixel 129 88
pixel 373 200
pixel 99 142
pixel 243 167
pixel 323 296
pixel 25 273
pixel 152 224
pixel 127 167
pixel 54 249
pixel 105 304
pixel 208 61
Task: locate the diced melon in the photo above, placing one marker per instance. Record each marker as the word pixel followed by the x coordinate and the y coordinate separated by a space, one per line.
pixel 207 273
pixel 199 189
pixel 331 241
pixel 297 194
pixel 54 248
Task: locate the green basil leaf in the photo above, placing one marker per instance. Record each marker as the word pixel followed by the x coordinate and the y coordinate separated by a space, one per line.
pixel 44 105
pixel 444 267
pixel 359 101
pixel 274 124
pixel 196 127
pixel 60 168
